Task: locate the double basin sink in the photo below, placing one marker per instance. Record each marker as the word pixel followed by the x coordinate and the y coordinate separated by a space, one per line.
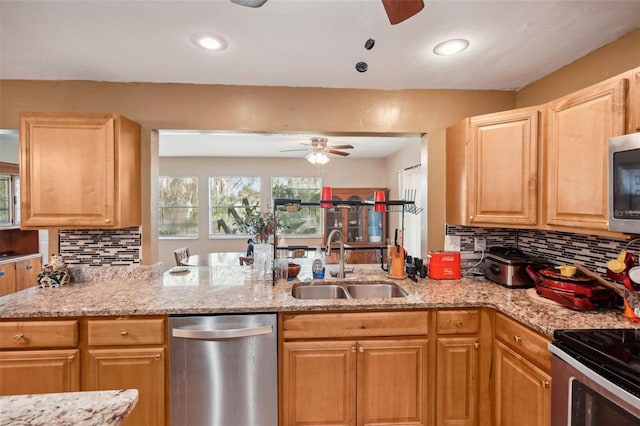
pixel 366 290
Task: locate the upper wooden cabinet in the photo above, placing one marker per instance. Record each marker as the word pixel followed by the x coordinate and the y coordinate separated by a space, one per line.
pixel 79 171
pixel 634 102
pixel 492 169
pixel 579 126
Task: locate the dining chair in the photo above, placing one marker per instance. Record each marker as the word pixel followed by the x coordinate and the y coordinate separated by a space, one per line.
pixel 246 260
pixel 181 254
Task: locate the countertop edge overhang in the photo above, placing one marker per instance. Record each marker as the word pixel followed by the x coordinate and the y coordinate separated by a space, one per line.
pixel 230 289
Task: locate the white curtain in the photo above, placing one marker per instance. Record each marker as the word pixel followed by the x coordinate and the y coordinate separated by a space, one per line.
pixel 410 189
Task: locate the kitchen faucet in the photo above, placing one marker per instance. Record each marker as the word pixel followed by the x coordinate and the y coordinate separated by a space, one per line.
pixel 328 250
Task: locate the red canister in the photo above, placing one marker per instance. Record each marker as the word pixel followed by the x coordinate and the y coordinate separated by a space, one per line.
pixel 444 265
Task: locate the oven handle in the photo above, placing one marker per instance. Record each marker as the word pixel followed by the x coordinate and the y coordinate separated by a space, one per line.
pixel 234 333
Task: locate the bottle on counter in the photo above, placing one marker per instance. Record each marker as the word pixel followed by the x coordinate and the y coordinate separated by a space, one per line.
pixel 317 267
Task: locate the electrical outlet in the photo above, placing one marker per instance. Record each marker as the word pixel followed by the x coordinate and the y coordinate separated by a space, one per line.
pixel 479 244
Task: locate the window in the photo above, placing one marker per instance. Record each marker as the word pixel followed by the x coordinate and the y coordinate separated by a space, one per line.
pixel 231 198
pixel 178 207
pixel 307 221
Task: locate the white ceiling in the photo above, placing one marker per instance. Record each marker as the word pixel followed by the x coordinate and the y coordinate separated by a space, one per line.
pixel 313 43
pixel 304 42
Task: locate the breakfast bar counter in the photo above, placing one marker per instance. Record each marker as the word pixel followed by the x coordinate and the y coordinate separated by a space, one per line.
pixel 235 289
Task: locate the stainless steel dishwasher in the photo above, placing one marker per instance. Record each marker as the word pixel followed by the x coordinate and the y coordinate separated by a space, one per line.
pixel 223 370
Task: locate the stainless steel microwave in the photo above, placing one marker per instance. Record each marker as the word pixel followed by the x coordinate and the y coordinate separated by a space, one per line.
pixel 624 183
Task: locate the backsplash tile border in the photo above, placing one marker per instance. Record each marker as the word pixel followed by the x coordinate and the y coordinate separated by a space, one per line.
pixel 559 247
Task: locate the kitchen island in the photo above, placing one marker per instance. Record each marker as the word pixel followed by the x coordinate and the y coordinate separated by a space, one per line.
pixel 233 289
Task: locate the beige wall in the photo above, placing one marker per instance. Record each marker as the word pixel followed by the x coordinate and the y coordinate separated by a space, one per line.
pixel 610 60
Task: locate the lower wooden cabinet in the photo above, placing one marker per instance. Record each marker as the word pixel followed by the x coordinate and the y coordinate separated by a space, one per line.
pixel 18 275
pixel 70 355
pixel 522 390
pixel 355 369
pixel 39 357
pixel 41 371
pixel 131 368
pixel 364 382
pixel 522 375
pixel 7 278
pixel 128 353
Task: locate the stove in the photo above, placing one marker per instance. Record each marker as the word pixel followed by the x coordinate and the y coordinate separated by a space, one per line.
pixel 596 377
pixel 612 353
pixel 506 266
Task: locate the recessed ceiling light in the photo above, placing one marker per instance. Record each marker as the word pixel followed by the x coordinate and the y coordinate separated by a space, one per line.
pixel 451 47
pixel 209 41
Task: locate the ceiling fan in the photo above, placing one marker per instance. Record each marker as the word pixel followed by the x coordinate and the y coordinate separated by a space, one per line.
pixel 319 145
pixel 397 10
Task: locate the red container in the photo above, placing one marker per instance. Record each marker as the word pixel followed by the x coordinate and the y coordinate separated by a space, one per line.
pixel 444 265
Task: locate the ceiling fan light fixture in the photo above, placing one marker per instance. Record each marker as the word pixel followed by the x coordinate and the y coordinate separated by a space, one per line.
pixel 317 158
pixel 209 41
pixel 249 3
pixel 451 47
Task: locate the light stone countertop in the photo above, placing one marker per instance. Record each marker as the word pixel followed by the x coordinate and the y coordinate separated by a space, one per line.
pixel 97 408
pixel 234 289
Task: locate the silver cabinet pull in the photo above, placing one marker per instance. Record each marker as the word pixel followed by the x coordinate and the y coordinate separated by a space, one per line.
pixel 124 333
pixel 18 336
pixel 517 339
pixel 191 333
pixel 30 266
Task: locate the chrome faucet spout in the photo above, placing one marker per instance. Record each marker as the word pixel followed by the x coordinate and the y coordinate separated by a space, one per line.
pixel 328 250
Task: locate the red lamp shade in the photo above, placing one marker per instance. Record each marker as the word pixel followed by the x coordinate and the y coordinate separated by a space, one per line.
pixel 326 196
pixel 378 199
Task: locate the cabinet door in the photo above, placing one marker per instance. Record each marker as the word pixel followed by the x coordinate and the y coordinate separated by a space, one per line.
pixel 7 278
pixel 502 168
pixel 457 380
pixel 522 391
pixel 392 382
pixel 131 368
pixel 47 371
pixel 579 126
pixel 27 273
pixel 318 383
pixel 634 102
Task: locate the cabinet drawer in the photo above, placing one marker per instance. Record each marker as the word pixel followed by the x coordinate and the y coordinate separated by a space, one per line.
pixel 528 343
pixel 297 326
pixel 123 332
pixel 38 334
pixel 458 321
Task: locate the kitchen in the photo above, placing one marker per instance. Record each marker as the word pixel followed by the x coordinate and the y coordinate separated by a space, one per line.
pixel 286 109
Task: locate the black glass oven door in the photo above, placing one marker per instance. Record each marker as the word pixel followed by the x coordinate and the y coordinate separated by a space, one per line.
pixel 589 408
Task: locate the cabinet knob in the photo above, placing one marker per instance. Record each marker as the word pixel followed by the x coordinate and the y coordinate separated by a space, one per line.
pixel 459 323
pixel 18 336
pixel 470 217
pixel 1 273
pixel 476 345
pixel 353 348
pixel 107 220
pixel 124 333
pixel 71 357
pixel 517 339
pixel 544 383
pixel 361 349
pixel 30 266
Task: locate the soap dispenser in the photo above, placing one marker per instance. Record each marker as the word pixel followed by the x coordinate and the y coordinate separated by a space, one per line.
pixel 317 267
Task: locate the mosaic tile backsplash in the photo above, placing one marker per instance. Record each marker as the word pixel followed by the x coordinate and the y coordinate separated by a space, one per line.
pixel 559 247
pixel 101 247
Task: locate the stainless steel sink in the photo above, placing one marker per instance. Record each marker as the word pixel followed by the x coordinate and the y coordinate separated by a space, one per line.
pixel 325 291
pixel 348 291
pixel 382 290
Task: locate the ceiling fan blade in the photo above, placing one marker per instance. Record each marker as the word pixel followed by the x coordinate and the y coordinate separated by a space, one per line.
pixel 400 10
pixel 342 153
pixel 340 146
pixel 291 150
pixel 249 3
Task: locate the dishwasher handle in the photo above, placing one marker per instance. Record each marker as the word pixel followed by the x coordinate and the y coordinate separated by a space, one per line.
pixel 234 333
